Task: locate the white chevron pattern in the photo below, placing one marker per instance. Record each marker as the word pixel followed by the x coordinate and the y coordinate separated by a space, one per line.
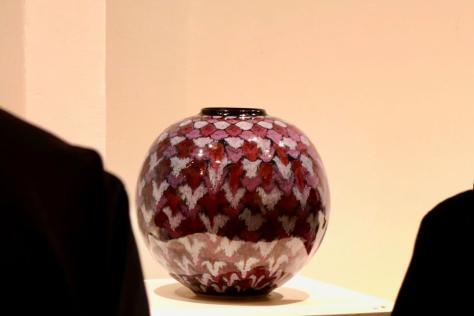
pixel 294 245
pixel 233 277
pixel 266 125
pixel 147 214
pixel 254 282
pixel 265 247
pixel 202 141
pixel 192 247
pixel 285 171
pixel 233 199
pixel 153 162
pixel 253 222
pixel 200 124
pixel 245 266
pixel 221 125
pixel 290 143
pixel 287 222
pixel 206 277
pixel 269 199
pixel 235 142
pixel 229 246
pixel 302 197
pixel 307 164
pixel 184 264
pixel 215 177
pixel 176 140
pixel 274 265
pixel 264 144
pixel 218 222
pixel 158 191
pixel 178 164
pixel 251 167
pixel 214 268
pixel 191 197
pixel 174 220
pixel 244 125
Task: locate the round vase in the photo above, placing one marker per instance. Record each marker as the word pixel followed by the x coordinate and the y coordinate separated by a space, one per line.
pixel 232 201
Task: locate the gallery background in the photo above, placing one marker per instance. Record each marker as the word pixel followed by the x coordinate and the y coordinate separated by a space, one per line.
pixel 383 89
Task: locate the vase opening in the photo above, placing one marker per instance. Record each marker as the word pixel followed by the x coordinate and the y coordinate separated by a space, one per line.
pixel 233 111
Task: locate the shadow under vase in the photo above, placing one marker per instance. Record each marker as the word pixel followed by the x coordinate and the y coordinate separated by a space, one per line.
pixel 281 296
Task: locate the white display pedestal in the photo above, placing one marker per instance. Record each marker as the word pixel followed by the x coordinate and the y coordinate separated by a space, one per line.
pixel 299 296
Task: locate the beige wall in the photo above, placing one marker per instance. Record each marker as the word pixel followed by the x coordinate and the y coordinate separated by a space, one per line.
pixel 384 89
pixel 64 47
pixel 52 66
pixel 11 56
pixel 146 86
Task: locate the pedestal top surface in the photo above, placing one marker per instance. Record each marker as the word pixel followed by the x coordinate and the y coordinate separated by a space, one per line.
pixel 299 296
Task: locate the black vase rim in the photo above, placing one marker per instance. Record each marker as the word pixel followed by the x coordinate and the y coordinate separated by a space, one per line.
pixel 233 111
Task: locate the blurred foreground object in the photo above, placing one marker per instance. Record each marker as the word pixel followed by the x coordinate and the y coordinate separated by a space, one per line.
pixel 441 273
pixel 66 241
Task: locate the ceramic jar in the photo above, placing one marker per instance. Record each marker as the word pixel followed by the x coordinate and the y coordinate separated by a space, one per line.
pixel 232 201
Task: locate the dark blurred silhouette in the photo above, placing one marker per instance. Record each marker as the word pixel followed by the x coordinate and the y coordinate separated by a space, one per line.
pixel 440 278
pixel 66 243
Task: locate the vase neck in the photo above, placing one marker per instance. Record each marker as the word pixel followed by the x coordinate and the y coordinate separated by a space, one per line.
pixel 233 112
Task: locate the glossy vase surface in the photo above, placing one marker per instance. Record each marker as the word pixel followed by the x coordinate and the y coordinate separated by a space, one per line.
pixel 232 201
